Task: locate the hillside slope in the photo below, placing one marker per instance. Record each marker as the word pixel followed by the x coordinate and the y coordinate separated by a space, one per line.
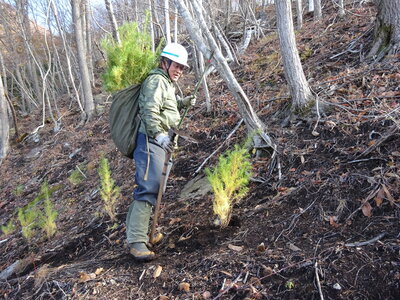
pixel 328 226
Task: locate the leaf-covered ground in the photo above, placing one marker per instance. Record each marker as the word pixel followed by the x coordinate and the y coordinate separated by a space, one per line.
pixel 324 222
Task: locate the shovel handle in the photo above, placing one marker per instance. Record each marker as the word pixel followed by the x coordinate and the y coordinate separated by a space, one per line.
pixel 159 196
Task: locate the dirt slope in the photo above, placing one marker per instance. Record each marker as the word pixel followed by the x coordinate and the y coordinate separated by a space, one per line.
pixel 329 224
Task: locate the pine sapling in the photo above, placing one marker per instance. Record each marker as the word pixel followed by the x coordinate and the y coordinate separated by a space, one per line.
pixel 229 181
pixel 108 191
pixel 28 217
pixel 49 216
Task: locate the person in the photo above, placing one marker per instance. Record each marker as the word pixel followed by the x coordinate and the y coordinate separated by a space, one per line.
pixel 159 111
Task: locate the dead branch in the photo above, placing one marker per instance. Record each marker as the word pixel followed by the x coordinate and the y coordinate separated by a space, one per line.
pixel 370 196
pixel 318 282
pixel 392 131
pixel 220 146
pixel 369 242
pixel 224 291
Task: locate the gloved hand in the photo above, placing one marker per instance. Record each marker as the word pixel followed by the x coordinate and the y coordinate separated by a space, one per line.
pixel 189 101
pixel 164 141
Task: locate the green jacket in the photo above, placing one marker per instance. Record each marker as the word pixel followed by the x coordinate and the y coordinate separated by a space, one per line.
pixel 158 105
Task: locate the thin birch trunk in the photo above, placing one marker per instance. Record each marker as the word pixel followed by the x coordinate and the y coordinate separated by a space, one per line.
pixel 299 10
pixel 4 123
pixel 167 25
pixel 317 10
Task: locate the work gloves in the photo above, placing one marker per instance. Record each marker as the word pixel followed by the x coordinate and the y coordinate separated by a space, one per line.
pixel 189 100
pixel 165 141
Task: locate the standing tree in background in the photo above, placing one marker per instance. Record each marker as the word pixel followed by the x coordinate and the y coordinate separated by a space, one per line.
pixel 302 98
pixel 387 29
pixel 317 10
pixel 167 24
pixel 299 11
pixel 4 123
pixel 83 67
pixel 113 21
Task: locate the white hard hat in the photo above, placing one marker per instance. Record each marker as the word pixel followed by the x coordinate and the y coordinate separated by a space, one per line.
pixel 176 53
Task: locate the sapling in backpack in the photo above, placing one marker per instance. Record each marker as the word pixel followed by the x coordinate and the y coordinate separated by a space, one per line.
pixel 124 119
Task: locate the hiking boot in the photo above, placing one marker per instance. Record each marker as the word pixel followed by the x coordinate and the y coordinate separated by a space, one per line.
pixel 140 252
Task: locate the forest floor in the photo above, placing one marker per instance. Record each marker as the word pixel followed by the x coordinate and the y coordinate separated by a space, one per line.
pixel 328 226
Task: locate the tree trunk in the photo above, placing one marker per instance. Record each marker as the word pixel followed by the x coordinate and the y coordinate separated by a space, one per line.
pixel 317 10
pixel 113 21
pixel 83 68
pixel 300 91
pixel 153 45
pixel 88 39
pixel 4 123
pixel 254 124
pixel 299 10
pixel 387 29
pixel 167 25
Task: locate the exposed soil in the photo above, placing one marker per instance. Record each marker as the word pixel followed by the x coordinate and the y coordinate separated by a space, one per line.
pixel 325 222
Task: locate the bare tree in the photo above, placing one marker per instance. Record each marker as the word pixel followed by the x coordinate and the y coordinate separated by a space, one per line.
pixel 113 21
pixel 302 97
pixel 252 121
pixel 84 71
pixel 387 29
pixel 4 123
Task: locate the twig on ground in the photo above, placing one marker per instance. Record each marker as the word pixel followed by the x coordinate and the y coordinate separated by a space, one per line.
pixel 220 146
pixel 369 197
pixel 369 242
pixel 295 217
pixel 318 282
pixel 224 291
pixel 379 142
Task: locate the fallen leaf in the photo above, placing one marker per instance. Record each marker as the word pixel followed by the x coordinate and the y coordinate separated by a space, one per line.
pixel 367 209
pixel 302 159
pixel 379 197
pixel 261 247
pixel 293 247
pixel 162 297
pixel 98 271
pixel 206 295
pixel 184 286
pixel 332 221
pixel 388 195
pixel 83 276
pixel 157 272
pixel 235 248
pixel 292 170
pixel 174 220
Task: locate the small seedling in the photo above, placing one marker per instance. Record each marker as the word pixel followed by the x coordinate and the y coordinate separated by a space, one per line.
pixel 229 181
pixel 108 191
pixel 289 285
pixel 77 175
pixel 9 228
